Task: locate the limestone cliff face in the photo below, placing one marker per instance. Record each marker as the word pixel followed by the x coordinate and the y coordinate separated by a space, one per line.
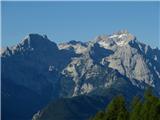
pixel 48 71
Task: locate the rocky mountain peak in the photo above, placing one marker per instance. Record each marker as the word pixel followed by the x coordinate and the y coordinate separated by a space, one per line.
pixel 36 66
pixel 117 39
pixel 77 46
pixel 34 40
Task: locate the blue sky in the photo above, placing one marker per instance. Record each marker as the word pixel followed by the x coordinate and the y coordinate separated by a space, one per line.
pixel 83 21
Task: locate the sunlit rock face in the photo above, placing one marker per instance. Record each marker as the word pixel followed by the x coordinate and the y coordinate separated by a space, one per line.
pixel 132 58
pixel 120 51
pixel 44 70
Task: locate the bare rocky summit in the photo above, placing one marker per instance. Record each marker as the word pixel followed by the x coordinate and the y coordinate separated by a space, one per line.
pixel 38 69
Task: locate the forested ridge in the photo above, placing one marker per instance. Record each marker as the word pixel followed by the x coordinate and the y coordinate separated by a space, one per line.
pixel 147 108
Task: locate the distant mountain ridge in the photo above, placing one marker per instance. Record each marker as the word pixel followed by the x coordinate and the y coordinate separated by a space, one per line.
pixel 47 71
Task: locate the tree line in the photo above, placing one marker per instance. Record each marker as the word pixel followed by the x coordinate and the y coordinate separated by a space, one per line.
pixel 147 108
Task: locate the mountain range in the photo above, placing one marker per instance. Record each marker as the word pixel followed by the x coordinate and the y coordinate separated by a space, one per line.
pixel 42 80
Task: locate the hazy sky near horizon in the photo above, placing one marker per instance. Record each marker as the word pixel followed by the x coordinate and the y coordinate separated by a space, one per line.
pixel 82 21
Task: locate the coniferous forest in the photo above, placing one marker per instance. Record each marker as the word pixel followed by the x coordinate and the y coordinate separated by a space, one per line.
pixel 147 108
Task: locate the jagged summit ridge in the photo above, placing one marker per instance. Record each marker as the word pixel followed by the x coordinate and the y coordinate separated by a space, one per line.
pixel 120 51
pixel 36 40
pixel 77 46
pixel 31 42
pixel 43 70
pixel 34 37
pixel 120 38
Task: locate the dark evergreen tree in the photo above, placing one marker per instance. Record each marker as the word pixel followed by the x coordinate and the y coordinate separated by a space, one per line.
pixel 141 109
pixel 136 107
pixel 150 109
pixel 116 110
pixel 99 116
pixel 157 109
